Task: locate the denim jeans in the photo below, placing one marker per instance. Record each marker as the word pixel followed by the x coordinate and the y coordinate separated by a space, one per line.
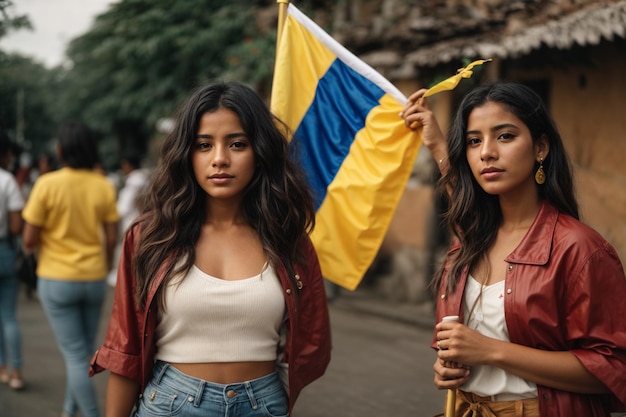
pixel 73 309
pixel 173 393
pixel 10 335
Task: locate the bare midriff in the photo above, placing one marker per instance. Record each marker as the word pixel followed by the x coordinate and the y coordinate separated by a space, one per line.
pixel 226 372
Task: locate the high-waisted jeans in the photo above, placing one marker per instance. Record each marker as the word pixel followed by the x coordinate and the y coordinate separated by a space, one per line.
pixel 73 309
pixel 173 393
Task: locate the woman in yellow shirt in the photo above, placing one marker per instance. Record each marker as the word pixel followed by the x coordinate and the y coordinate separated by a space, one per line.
pixel 67 214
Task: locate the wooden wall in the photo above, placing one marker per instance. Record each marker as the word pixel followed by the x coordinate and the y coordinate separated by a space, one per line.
pixel 588 104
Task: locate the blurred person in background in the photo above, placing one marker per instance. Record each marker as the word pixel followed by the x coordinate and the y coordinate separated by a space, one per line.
pixel 44 163
pixel 11 204
pixel 71 219
pixel 135 181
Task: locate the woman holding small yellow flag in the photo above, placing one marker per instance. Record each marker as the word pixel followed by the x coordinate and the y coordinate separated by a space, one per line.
pixel 539 293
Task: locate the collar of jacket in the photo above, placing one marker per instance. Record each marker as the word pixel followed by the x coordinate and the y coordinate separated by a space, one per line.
pixel 536 246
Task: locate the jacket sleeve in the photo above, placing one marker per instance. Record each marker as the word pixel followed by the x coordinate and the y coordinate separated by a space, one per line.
pixel 312 337
pixel 121 351
pixel 595 319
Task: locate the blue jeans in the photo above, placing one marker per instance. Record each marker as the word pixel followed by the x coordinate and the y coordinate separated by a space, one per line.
pixel 10 335
pixel 73 309
pixel 173 393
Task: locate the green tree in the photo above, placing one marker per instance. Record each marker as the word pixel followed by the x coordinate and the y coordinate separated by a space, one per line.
pixel 9 22
pixel 24 90
pixel 25 82
pixel 137 62
pixel 141 57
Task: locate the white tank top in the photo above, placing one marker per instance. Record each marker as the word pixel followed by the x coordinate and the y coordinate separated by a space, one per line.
pixel 208 319
pixel 488 319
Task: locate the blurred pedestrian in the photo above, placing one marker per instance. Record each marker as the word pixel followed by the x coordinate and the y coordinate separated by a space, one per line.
pixel 135 182
pixel 220 308
pixel 11 204
pixel 71 218
pixel 45 164
pixel 540 294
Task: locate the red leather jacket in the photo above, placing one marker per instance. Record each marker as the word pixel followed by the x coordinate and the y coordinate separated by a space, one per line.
pixel 129 346
pixel 565 291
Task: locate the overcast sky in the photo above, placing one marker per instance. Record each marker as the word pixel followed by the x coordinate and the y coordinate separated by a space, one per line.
pixel 55 23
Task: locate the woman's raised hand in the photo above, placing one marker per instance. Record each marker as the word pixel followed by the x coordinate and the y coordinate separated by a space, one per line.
pixel 418 116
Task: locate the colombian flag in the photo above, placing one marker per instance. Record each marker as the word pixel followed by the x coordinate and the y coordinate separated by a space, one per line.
pixel 350 139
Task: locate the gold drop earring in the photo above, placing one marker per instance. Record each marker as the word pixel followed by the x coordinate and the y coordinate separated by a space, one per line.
pixel 540 176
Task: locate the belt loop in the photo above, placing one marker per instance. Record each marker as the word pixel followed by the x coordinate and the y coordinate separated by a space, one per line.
pixel 162 372
pixel 251 395
pixel 199 394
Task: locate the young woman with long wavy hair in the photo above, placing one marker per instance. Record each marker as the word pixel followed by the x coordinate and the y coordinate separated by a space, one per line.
pixel 220 306
pixel 539 294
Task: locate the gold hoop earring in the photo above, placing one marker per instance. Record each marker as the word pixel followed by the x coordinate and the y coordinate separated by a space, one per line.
pixel 540 176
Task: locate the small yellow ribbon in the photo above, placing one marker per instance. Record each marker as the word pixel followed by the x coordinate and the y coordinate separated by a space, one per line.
pixel 450 83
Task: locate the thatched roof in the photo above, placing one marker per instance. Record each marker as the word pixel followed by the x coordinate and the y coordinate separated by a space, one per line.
pixel 398 37
pixel 584 27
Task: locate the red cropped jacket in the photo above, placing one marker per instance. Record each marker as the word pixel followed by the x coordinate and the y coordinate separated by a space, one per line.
pixel 129 346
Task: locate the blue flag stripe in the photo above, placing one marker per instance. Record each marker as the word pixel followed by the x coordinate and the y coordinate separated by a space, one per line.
pixel 334 120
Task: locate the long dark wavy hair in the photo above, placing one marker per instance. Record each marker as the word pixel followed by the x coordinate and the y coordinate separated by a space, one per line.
pixel 277 202
pixel 474 216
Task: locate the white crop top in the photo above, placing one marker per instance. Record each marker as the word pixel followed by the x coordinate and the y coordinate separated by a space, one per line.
pixel 208 319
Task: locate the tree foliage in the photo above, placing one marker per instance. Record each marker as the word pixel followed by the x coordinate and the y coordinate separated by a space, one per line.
pixel 143 56
pixel 23 76
pixel 23 88
pixel 138 60
pixel 9 22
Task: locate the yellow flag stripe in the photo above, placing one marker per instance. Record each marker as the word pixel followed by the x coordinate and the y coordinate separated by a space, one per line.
pixel 362 199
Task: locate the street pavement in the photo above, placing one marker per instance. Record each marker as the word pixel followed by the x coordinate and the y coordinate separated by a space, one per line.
pixel 381 364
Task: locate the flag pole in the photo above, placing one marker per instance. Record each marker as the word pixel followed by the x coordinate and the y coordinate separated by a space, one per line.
pixel 451 395
pixel 282 14
pixel 450 403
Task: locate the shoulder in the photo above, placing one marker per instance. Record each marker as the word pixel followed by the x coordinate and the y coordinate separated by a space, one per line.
pixel 138 177
pixel 7 179
pixel 306 243
pixel 133 233
pixel 96 182
pixel 307 249
pixel 52 180
pixel 5 175
pixel 94 176
pixel 574 234
pixel 583 247
pixel 59 174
